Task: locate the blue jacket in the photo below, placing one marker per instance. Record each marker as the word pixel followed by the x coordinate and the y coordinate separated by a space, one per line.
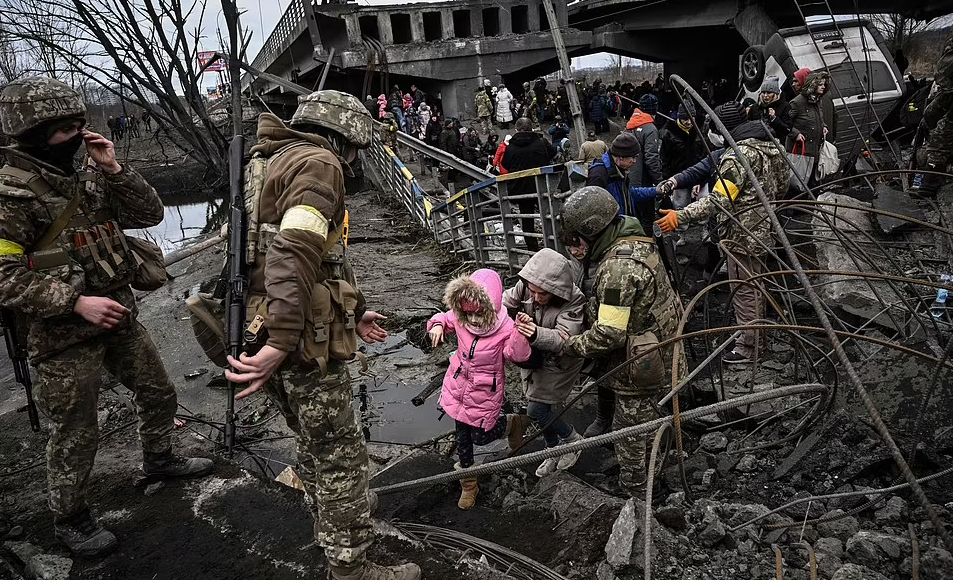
pixel 616 183
pixel 700 173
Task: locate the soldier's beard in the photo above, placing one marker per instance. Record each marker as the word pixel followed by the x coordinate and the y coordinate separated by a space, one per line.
pixel 60 155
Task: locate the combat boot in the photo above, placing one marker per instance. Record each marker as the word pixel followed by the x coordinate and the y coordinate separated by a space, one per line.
pixel 515 428
pixel 372 571
pixel 84 536
pixel 168 465
pixel 605 409
pixel 926 184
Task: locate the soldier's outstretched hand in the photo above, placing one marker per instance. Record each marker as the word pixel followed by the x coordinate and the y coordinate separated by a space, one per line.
pixel 368 329
pixel 102 151
pixel 99 310
pixel 254 369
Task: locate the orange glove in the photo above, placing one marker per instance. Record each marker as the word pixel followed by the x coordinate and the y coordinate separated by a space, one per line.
pixel 669 220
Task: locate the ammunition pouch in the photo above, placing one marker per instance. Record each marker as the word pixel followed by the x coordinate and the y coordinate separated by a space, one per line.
pixel 330 328
pixel 646 374
pixel 208 324
pixel 150 273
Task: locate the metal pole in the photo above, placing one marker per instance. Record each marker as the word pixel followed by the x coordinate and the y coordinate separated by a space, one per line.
pixel 578 123
pixel 327 67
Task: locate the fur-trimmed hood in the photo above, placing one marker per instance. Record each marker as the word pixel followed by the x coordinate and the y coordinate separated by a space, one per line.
pixel 483 288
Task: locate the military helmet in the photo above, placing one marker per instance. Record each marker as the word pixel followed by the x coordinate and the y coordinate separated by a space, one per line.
pixel 587 212
pixel 31 101
pixel 337 111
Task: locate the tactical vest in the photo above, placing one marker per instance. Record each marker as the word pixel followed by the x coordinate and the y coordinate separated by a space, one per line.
pixel 84 246
pixel 648 373
pixel 330 332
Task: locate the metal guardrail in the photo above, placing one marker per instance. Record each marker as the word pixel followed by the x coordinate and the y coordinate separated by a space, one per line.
pixel 291 25
pixel 482 223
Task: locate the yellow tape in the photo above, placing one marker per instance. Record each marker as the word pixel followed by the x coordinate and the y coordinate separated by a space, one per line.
pixel 614 316
pixel 346 226
pixel 305 217
pixel 428 206
pixel 726 188
pixel 407 173
pixel 8 248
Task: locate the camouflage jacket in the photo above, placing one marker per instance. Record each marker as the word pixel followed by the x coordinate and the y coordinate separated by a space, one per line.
pixel 389 134
pixel 47 298
pixel 483 104
pixel 734 194
pixel 632 297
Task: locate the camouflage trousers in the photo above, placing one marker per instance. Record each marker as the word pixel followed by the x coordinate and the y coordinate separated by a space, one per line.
pixel 632 410
pixel 940 145
pixel 67 392
pixel 332 457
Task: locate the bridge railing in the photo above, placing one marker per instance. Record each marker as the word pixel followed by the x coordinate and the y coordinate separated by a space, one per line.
pixel 487 223
pixel 291 25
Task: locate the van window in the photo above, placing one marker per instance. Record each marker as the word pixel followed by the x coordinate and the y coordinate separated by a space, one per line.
pixel 850 84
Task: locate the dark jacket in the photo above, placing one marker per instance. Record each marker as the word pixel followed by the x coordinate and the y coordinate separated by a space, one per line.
pixel 780 124
pixel 605 174
pixel 701 172
pixel 450 141
pixel 679 150
pixel 559 131
pixel 598 107
pixel 648 171
pixel 527 150
pixel 809 115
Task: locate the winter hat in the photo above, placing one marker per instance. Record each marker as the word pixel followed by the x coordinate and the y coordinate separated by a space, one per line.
pixel 649 104
pixel 625 145
pixel 801 75
pixel 686 113
pixel 771 85
pixel 731 114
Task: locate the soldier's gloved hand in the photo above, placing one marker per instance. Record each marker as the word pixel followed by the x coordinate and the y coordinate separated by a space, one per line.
pixel 254 369
pixel 99 310
pixel 669 220
pixel 667 186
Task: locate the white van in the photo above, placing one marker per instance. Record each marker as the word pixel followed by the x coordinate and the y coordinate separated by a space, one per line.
pixel 866 86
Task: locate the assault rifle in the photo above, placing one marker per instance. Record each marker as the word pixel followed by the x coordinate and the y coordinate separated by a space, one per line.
pixel 237 269
pixel 16 348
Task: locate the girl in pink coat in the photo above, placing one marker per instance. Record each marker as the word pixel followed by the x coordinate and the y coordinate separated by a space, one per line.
pixel 473 387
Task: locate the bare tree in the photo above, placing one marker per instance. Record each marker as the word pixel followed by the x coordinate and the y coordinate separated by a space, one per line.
pixel 897 29
pixel 15 62
pixel 142 51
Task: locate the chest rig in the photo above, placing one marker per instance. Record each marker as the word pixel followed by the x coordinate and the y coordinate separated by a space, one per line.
pixel 84 245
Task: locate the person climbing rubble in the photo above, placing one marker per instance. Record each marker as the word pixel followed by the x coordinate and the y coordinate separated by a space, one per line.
pixel 473 387
pixel 633 309
pixel 548 309
pixel 67 268
pixel 734 197
pixel 301 270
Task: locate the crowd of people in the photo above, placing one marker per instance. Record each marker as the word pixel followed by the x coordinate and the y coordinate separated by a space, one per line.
pixel 127 125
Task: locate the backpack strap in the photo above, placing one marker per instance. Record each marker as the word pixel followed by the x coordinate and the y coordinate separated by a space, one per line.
pixel 59 224
pixel 33 181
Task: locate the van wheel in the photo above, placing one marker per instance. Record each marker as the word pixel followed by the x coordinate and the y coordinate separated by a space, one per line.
pixel 752 67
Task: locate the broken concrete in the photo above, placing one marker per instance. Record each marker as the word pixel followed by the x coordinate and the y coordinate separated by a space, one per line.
pixel 898 202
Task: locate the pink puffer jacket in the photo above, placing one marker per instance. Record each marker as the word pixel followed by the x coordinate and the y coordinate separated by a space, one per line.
pixel 474 384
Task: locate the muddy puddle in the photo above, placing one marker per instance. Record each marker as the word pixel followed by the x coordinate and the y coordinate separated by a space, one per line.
pixel 401 372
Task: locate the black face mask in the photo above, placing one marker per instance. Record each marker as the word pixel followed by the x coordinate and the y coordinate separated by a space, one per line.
pixel 59 155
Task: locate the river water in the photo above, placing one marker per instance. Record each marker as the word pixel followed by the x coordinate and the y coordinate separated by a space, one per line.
pixel 187 218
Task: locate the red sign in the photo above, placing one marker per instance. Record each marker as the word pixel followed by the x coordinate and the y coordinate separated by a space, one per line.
pixel 218 65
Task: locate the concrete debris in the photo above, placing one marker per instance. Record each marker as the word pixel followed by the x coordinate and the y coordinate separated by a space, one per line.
pixel 713 442
pixel 22 550
pixel 672 517
pixel 870 548
pixel 855 572
pixel 936 564
pixel 713 530
pixel 843 528
pixel 49 567
pixel 290 478
pixel 898 202
pixel 625 548
pixel 154 488
pixel 747 464
pixel 895 512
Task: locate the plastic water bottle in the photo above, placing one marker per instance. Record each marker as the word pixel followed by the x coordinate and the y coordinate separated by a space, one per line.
pixel 938 308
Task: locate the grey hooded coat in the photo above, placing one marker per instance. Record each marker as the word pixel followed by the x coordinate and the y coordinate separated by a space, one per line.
pixel 550 271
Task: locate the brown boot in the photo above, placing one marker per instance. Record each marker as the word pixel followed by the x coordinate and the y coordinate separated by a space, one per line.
pixel 372 571
pixel 515 428
pixel 469 493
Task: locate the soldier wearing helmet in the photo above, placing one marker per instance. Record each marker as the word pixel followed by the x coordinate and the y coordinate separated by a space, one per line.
pixel 66 266
pixel 388 131
pixel 632 308
pixel 306 314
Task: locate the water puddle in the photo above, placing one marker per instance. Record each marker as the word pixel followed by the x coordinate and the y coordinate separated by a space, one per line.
pixel 384 401
pixel 187 218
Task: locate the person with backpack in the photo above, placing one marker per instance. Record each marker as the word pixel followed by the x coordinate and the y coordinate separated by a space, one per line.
pixel 308 314
pixel 66 274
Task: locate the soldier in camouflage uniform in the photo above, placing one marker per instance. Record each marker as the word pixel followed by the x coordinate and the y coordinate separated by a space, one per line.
pixel 633 309
pixel 734 195
pixel 304 291
pixel 938 116
pixel 530 106
pixel 389 131
pixel 65 264
pixel 484 108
